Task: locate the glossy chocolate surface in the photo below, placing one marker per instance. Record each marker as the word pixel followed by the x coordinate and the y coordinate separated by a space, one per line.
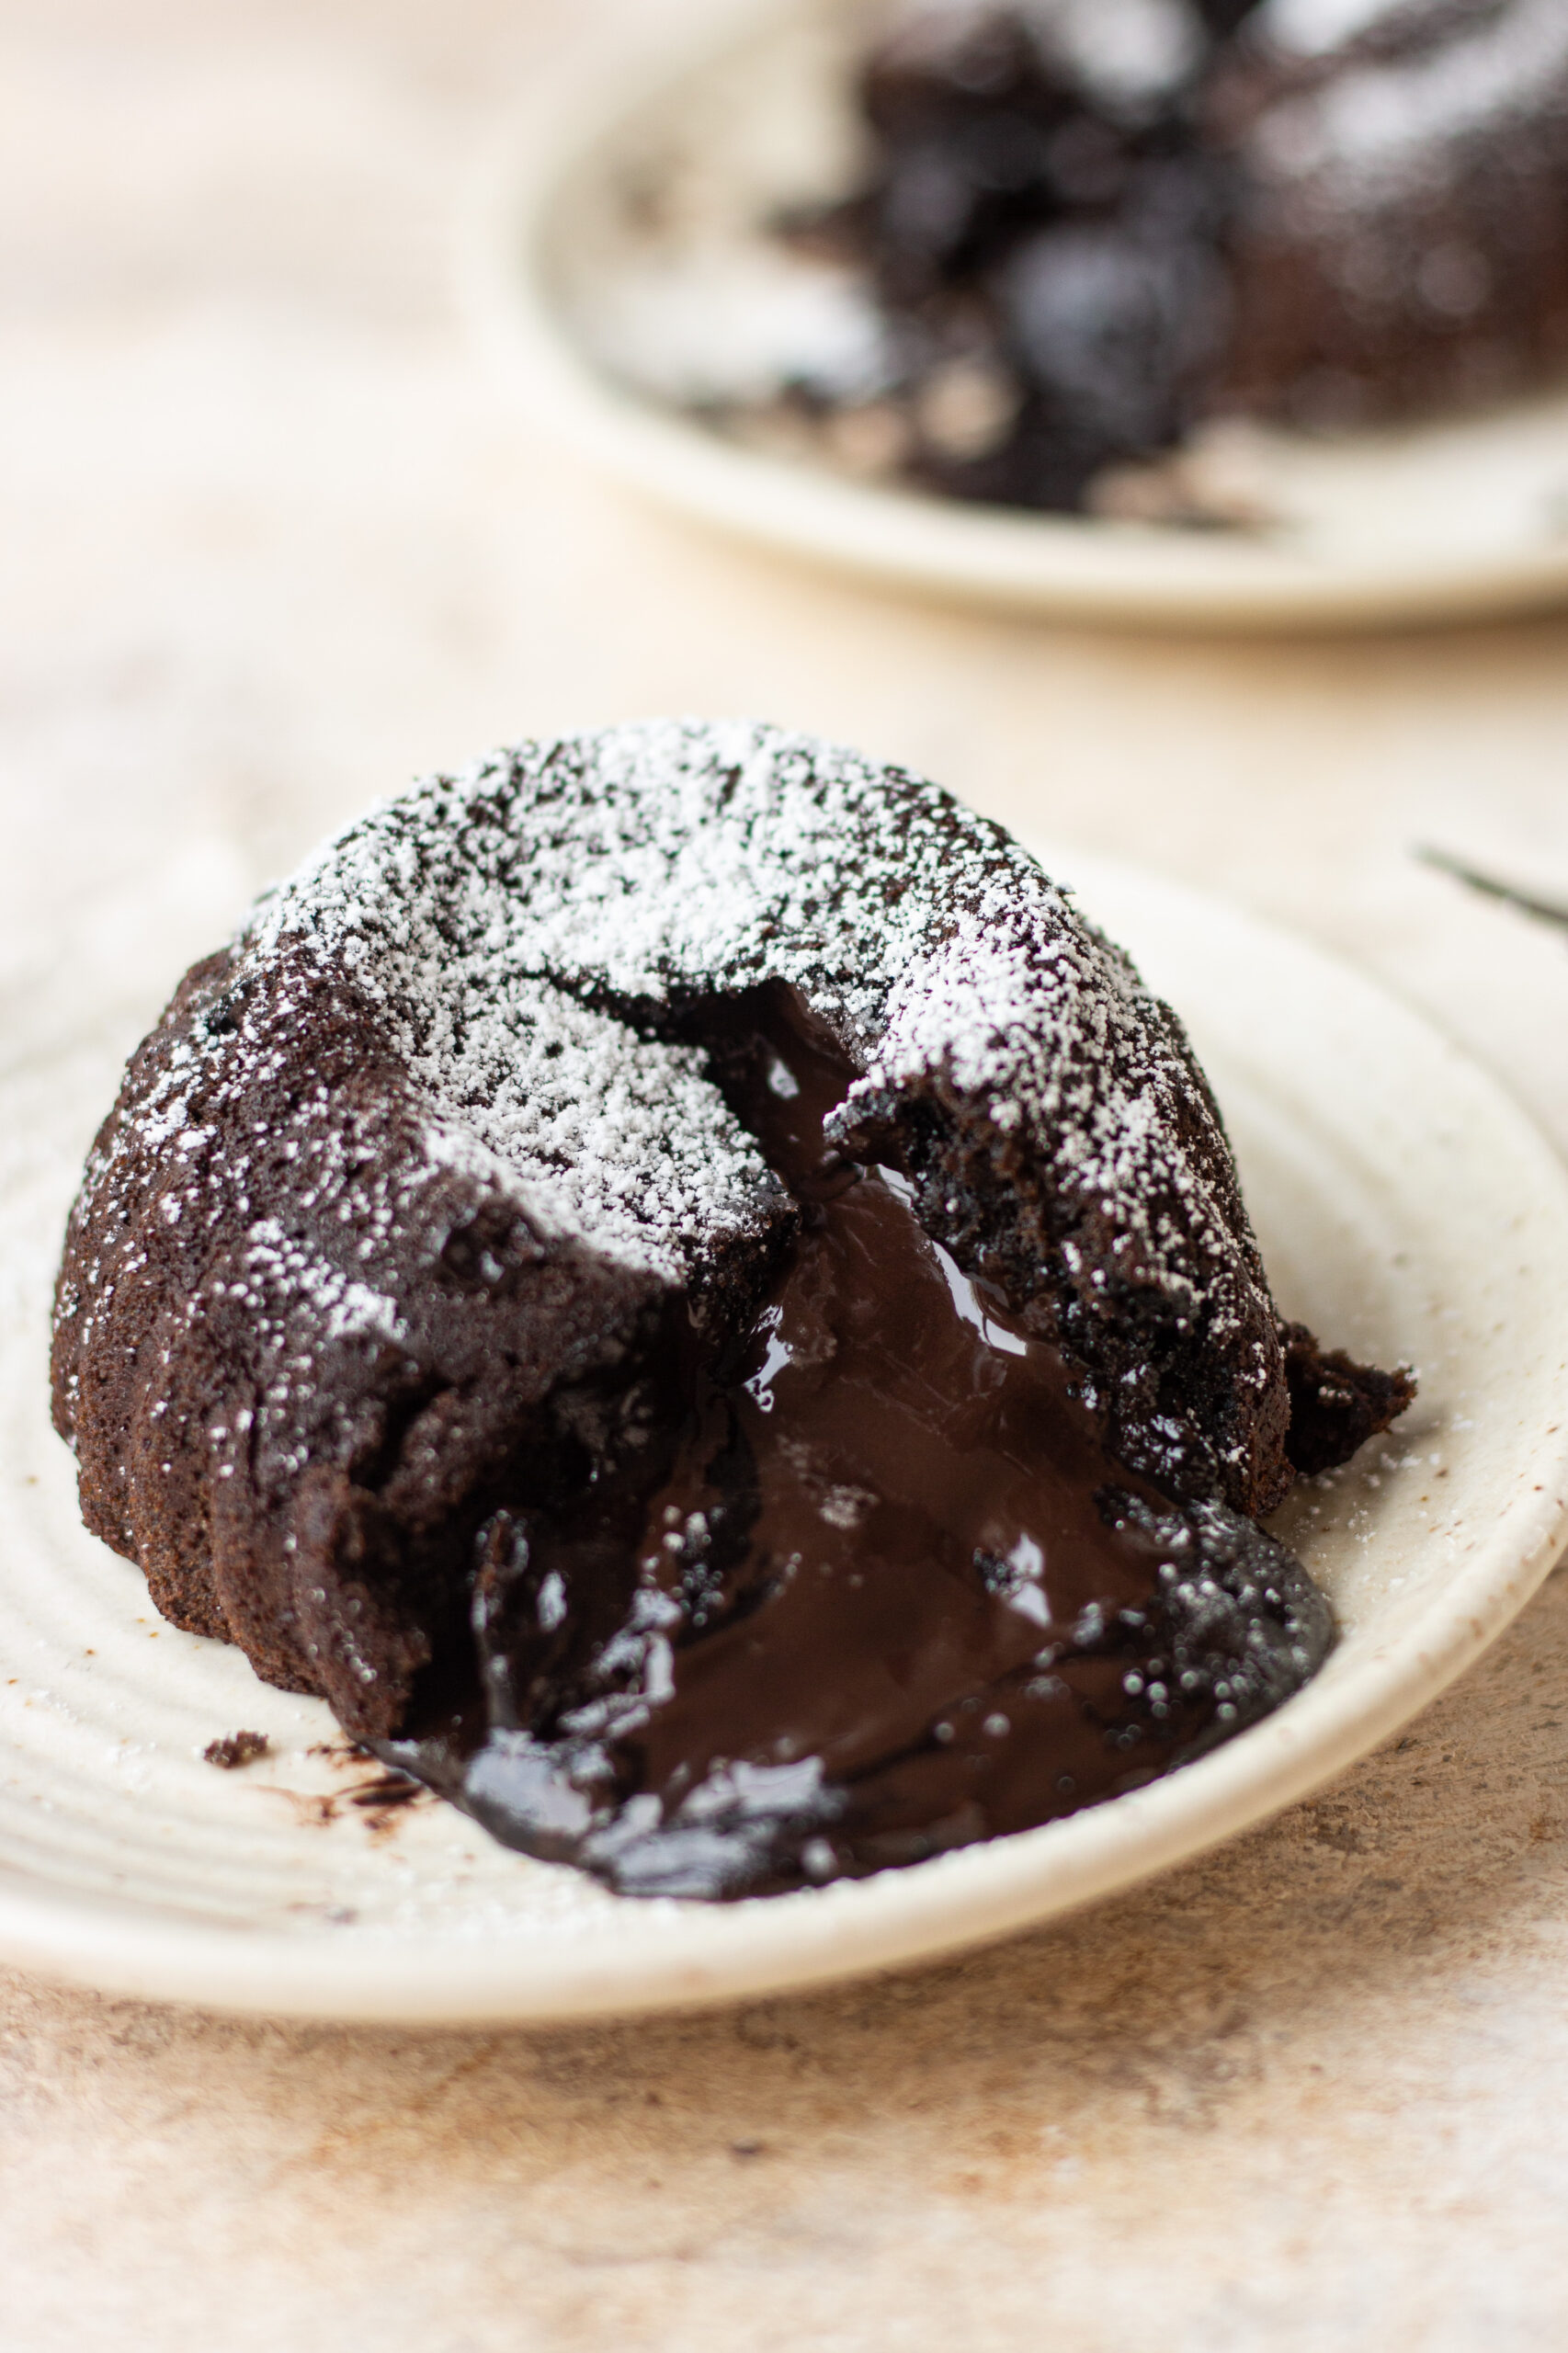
pixel 853 1586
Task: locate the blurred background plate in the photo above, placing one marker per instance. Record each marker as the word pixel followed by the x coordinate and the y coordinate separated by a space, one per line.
pixel 1405 1208
pixel 615 260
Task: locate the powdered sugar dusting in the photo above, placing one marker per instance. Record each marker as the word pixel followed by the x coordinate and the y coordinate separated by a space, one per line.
pixel 1439 87
pixel 492 914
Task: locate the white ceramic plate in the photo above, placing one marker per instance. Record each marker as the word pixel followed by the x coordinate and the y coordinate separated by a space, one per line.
pixel 1406 1210
pixel 612 253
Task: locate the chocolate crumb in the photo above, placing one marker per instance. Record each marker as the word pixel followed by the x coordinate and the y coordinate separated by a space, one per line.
pixel 236 1748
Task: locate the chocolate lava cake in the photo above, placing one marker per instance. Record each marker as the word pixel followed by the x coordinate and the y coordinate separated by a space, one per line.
pixel 675 1281
pixel 1090 226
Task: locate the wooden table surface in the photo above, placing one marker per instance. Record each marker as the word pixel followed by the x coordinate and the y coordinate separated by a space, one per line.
pixel 274 542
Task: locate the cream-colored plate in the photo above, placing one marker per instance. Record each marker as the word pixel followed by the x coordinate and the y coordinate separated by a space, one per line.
pixel 613 258
pixel 1406 1210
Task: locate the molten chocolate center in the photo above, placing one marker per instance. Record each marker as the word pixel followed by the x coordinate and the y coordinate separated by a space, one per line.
pixel 863 1584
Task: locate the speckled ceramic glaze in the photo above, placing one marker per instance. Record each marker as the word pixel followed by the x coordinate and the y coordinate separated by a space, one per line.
pixel 1405 1208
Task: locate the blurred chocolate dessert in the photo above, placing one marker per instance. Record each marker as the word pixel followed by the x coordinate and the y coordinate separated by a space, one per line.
pixel 1091 226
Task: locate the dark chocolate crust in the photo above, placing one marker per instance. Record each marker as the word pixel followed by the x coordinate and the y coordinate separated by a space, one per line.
pixel 326 1540
pixel 399 1196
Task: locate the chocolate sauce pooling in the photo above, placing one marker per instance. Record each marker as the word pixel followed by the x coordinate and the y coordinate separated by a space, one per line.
pixel 854 1585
